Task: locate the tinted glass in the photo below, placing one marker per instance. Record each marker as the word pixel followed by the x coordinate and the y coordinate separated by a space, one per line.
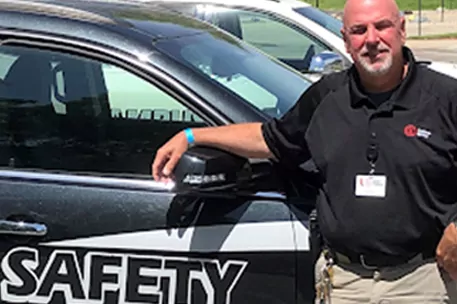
pixel 290 45
pixel 65 112
pixel 275 37
pixel 331 23
pixel 259 79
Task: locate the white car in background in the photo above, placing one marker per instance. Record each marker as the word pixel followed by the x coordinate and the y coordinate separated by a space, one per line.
pixel 298 34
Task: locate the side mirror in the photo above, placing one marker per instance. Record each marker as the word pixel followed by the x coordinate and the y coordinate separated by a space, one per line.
pixel 203 168
pixel 326 62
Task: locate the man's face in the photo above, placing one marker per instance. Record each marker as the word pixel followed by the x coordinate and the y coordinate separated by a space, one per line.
pixel 374 36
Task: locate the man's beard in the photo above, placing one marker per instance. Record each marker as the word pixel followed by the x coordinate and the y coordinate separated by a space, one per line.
pixel 369 67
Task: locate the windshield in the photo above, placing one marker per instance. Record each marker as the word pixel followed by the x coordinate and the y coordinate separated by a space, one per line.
pixel 331 23
pixel 261 80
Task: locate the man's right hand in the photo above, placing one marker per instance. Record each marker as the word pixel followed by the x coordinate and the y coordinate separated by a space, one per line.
pixel 244 139
pixel 168 156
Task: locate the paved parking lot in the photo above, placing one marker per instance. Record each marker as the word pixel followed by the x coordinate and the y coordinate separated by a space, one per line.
pixel 433 23
pixel 441 49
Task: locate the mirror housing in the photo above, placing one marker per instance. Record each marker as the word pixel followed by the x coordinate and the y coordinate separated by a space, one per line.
pixel 203 168
pixel 326 62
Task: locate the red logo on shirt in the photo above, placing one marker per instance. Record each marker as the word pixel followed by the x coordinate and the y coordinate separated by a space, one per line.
pixel 410 130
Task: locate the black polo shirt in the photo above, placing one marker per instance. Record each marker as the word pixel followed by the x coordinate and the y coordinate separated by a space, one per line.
pixel 412 140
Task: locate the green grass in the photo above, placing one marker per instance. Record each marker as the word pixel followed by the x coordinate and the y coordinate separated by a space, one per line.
pixel 438 36
pixel 403 4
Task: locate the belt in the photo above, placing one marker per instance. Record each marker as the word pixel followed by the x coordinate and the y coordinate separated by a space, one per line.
pixel 379 261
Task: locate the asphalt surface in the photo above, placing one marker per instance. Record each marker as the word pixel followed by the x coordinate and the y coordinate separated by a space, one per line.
pixel 435 50
pixel 433 23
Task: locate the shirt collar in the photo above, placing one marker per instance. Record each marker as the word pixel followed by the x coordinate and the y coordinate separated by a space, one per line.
pixel 358 96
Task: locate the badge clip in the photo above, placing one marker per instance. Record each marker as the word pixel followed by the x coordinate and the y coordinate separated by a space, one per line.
pixel 372 168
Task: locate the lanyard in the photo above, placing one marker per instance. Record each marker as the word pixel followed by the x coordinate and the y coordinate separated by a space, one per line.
pixel 372 156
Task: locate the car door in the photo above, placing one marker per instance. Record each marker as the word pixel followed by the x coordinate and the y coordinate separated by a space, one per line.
pixel 82 221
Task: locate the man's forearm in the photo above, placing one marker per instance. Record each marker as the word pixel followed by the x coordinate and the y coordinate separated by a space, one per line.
pixel 242 139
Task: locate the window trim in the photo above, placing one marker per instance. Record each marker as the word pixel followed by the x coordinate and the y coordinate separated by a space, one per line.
pixel 83 179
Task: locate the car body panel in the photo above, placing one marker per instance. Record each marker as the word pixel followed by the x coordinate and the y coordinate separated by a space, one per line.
pixel 214 251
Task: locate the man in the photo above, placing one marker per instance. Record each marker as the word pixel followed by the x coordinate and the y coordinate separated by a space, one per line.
pixel 383 136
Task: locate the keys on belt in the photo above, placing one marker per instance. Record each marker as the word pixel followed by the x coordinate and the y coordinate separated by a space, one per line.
pixel 324 287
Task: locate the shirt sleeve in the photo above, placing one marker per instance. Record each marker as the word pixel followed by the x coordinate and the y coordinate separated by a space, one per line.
pixel 451 216
pixel 285 136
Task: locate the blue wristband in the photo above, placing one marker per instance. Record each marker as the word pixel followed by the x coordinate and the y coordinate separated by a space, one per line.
pixel 189 136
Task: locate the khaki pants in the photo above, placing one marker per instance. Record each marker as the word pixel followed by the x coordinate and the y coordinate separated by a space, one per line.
pixel 412 283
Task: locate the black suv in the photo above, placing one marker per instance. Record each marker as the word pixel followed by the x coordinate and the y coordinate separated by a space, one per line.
pixel 88 91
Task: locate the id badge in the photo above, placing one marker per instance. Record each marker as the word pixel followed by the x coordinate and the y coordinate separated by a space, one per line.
pixel 370 185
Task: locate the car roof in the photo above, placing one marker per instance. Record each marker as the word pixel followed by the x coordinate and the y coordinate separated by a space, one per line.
pixel 292 3
pixel 126 15
pixel 271 5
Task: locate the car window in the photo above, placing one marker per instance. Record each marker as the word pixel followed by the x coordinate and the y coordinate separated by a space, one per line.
pixel 240 68
pixel 134 98
pixel 331 23
pixel 238 82
pixel 65 112
pixel 275 37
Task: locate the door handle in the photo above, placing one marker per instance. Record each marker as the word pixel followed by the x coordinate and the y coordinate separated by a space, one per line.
pixel 22 228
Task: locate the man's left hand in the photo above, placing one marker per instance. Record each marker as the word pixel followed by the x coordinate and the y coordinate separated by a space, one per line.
pixel 446 252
